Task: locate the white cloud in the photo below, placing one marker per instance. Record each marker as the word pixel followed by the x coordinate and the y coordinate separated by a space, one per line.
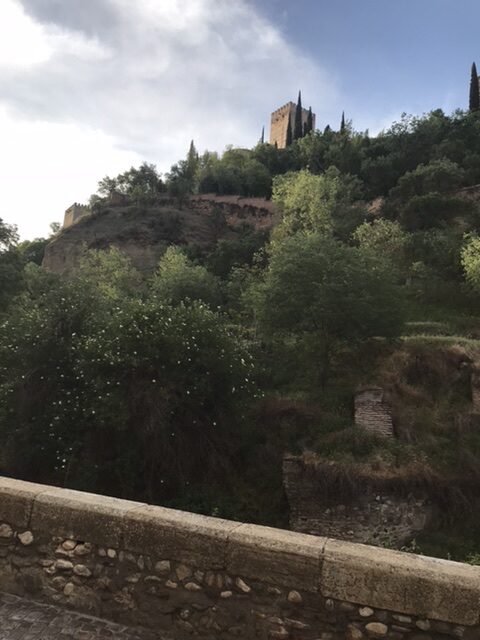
pixel 150 75
pixel 45 167
pixel 22 42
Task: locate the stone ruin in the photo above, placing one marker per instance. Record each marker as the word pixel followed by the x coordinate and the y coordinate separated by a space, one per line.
pixel 372 514
pixel 74 213
pixel 372 412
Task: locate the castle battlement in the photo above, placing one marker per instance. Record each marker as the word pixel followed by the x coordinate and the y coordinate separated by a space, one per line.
pixel 285 109
pixel 74 213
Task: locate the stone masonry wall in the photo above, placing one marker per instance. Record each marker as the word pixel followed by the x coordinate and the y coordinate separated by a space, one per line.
pixel 74 213
pixel 185 575
pixel 372 413
pixel 372 517
pixel 256 212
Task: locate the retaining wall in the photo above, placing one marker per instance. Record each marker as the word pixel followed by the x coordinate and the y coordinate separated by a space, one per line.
pixel 371 516
pixel 187 575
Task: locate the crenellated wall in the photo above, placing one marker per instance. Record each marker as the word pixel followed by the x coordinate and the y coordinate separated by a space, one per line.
pixel 187 575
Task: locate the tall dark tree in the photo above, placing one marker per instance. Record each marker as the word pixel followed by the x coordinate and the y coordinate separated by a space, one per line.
pixel 342 124
pixel 310 120
pixel 289 139
pixel 305 129
pixel 192 160
pixel 474 90
pixel 298 130
pixel 262 137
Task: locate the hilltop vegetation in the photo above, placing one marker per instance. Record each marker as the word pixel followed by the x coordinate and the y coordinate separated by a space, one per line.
pixel 186 387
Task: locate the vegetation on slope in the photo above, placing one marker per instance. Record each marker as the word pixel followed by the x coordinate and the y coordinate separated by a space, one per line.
pixel 186 387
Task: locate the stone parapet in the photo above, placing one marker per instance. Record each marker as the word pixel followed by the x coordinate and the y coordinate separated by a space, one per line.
pixel 183 574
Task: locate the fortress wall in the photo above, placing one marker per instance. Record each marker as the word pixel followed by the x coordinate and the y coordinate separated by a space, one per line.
pixel 183 574
pixel 74 213
pixel 259 213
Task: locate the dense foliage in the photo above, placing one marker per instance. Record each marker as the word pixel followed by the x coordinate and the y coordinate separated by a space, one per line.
pixel 169 388
pixel 104 387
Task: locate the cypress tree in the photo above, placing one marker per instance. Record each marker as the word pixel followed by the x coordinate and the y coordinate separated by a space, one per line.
pixel 474 90
pixel 342 124
pixel 310 120
pixel 289 133
pixel 262 138
pixel 305 129
pixel 298 130
pixel 192 160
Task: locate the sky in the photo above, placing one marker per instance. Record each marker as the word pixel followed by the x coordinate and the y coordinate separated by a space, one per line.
pixel 91 87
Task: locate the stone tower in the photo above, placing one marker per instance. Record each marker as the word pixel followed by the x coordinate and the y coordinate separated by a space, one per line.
pixel 279 123
pixel 74 213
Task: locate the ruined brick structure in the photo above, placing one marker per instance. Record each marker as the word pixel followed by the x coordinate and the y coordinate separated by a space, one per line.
pixel 372 413
pixel 279 123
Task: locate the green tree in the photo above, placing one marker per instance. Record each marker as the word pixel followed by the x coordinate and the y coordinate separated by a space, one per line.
pixel 108 390
pixel 470 258
pixel 385 239
pixel 142 184
pixel 298 128
pixel 177 280
pixel 11 265
pixel 257 179
pixel 438 176
pixel 343 125
pixel 311 202
pixel 310 121
pixel 184 176
pixel 318 288
pixel 8 236
pixel 474 103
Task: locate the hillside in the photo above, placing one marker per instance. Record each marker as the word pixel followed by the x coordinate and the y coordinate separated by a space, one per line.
pixel 143 233
pixel 305 354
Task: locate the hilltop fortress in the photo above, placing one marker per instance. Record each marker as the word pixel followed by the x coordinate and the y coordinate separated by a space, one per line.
pixel 280 121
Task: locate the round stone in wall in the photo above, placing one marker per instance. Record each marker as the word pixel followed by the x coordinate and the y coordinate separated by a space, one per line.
pixel 294 597
pixel 82 571
pixel 6 531
pixel 376 630
pixel 353 633
pixel 26 538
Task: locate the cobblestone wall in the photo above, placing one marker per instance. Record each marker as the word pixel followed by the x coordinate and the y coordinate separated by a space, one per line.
pixel 186 575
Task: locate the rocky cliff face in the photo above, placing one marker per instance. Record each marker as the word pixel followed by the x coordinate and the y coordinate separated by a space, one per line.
pixel 144 234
